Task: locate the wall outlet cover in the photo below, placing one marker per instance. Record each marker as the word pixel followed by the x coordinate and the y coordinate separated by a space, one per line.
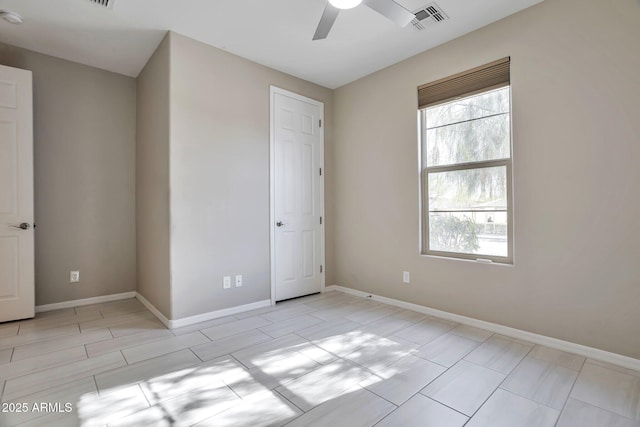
pixel 406 277
pixel 74 276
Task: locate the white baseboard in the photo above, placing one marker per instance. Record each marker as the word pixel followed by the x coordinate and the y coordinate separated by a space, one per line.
pixel 84 301
pixel 582 350
pixel 166 322
pixel 186 321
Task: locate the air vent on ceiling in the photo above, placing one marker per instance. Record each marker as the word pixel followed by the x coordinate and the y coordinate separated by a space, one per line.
pixel 104 3
pixel 428 15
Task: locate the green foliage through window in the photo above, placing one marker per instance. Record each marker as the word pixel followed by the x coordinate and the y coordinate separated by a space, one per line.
pixel 453 234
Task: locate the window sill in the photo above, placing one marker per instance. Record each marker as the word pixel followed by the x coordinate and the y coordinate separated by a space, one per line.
pixel 480 261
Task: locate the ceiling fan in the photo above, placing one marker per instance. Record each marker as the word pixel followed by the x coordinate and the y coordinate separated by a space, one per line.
pixel 387 8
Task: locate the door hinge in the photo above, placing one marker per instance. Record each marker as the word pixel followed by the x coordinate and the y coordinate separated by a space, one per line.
pixel 320 123
pixel 320 171
pixel 320 269
pixel 320 220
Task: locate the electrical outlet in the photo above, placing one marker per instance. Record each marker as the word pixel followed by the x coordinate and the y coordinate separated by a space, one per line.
pixel 74 276
pixel 226 282
pixel 406 277
pixel 238 280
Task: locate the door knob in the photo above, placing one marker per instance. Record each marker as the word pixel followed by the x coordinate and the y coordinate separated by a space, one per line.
pixel 23 226
pixel 280 223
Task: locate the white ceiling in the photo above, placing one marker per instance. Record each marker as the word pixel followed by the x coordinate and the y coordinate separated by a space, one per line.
pixel 275 33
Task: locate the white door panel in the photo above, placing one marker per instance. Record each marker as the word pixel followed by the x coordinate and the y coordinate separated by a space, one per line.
pixel 16 195
pixel 8 165
pixel 297 195
pixel 9 249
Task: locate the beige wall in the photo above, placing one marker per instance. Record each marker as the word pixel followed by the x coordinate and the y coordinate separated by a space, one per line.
pixel 152 181
pixel 220 174
pixel 576 91
pixel 84 142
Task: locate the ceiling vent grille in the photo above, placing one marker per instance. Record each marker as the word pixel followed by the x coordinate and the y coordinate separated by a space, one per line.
pixel 103 3
pixel 428 15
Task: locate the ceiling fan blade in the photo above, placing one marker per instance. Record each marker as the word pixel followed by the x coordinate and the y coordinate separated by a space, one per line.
pixel 326 22
pixel 392 11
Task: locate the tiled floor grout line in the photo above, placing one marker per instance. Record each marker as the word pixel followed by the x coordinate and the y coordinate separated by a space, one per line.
pixel 232 390
pixel 125 357
pixel 485 367
pixel 636 421
pixel 444 404
pixel 386 416
pixel 528 398
pixel 515 367
pixel 495 370
pixel 570 391
pixel 416 393
pixel 273 391
pixel 195 354
pixel 480 406
pixel 143 395
pixel 283 397
pixel 498 387
pixel 373 373
pixel 48 388
pixel 343 348
pixel 205 335
pixel 95 382
pixel 237 360
pixel 383 398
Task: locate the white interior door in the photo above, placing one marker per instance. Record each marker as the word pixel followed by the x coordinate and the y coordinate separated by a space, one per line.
pixel 17 294
pixel 297 195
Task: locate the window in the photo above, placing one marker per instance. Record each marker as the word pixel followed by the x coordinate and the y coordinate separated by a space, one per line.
pixel 465 151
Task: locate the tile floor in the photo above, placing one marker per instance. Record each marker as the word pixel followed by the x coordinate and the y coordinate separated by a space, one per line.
pixel 323 360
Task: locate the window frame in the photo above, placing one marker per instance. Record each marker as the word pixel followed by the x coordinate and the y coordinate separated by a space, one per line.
pixel 425 170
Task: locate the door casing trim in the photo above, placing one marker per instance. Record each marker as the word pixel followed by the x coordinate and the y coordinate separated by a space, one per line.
pixel 273 91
